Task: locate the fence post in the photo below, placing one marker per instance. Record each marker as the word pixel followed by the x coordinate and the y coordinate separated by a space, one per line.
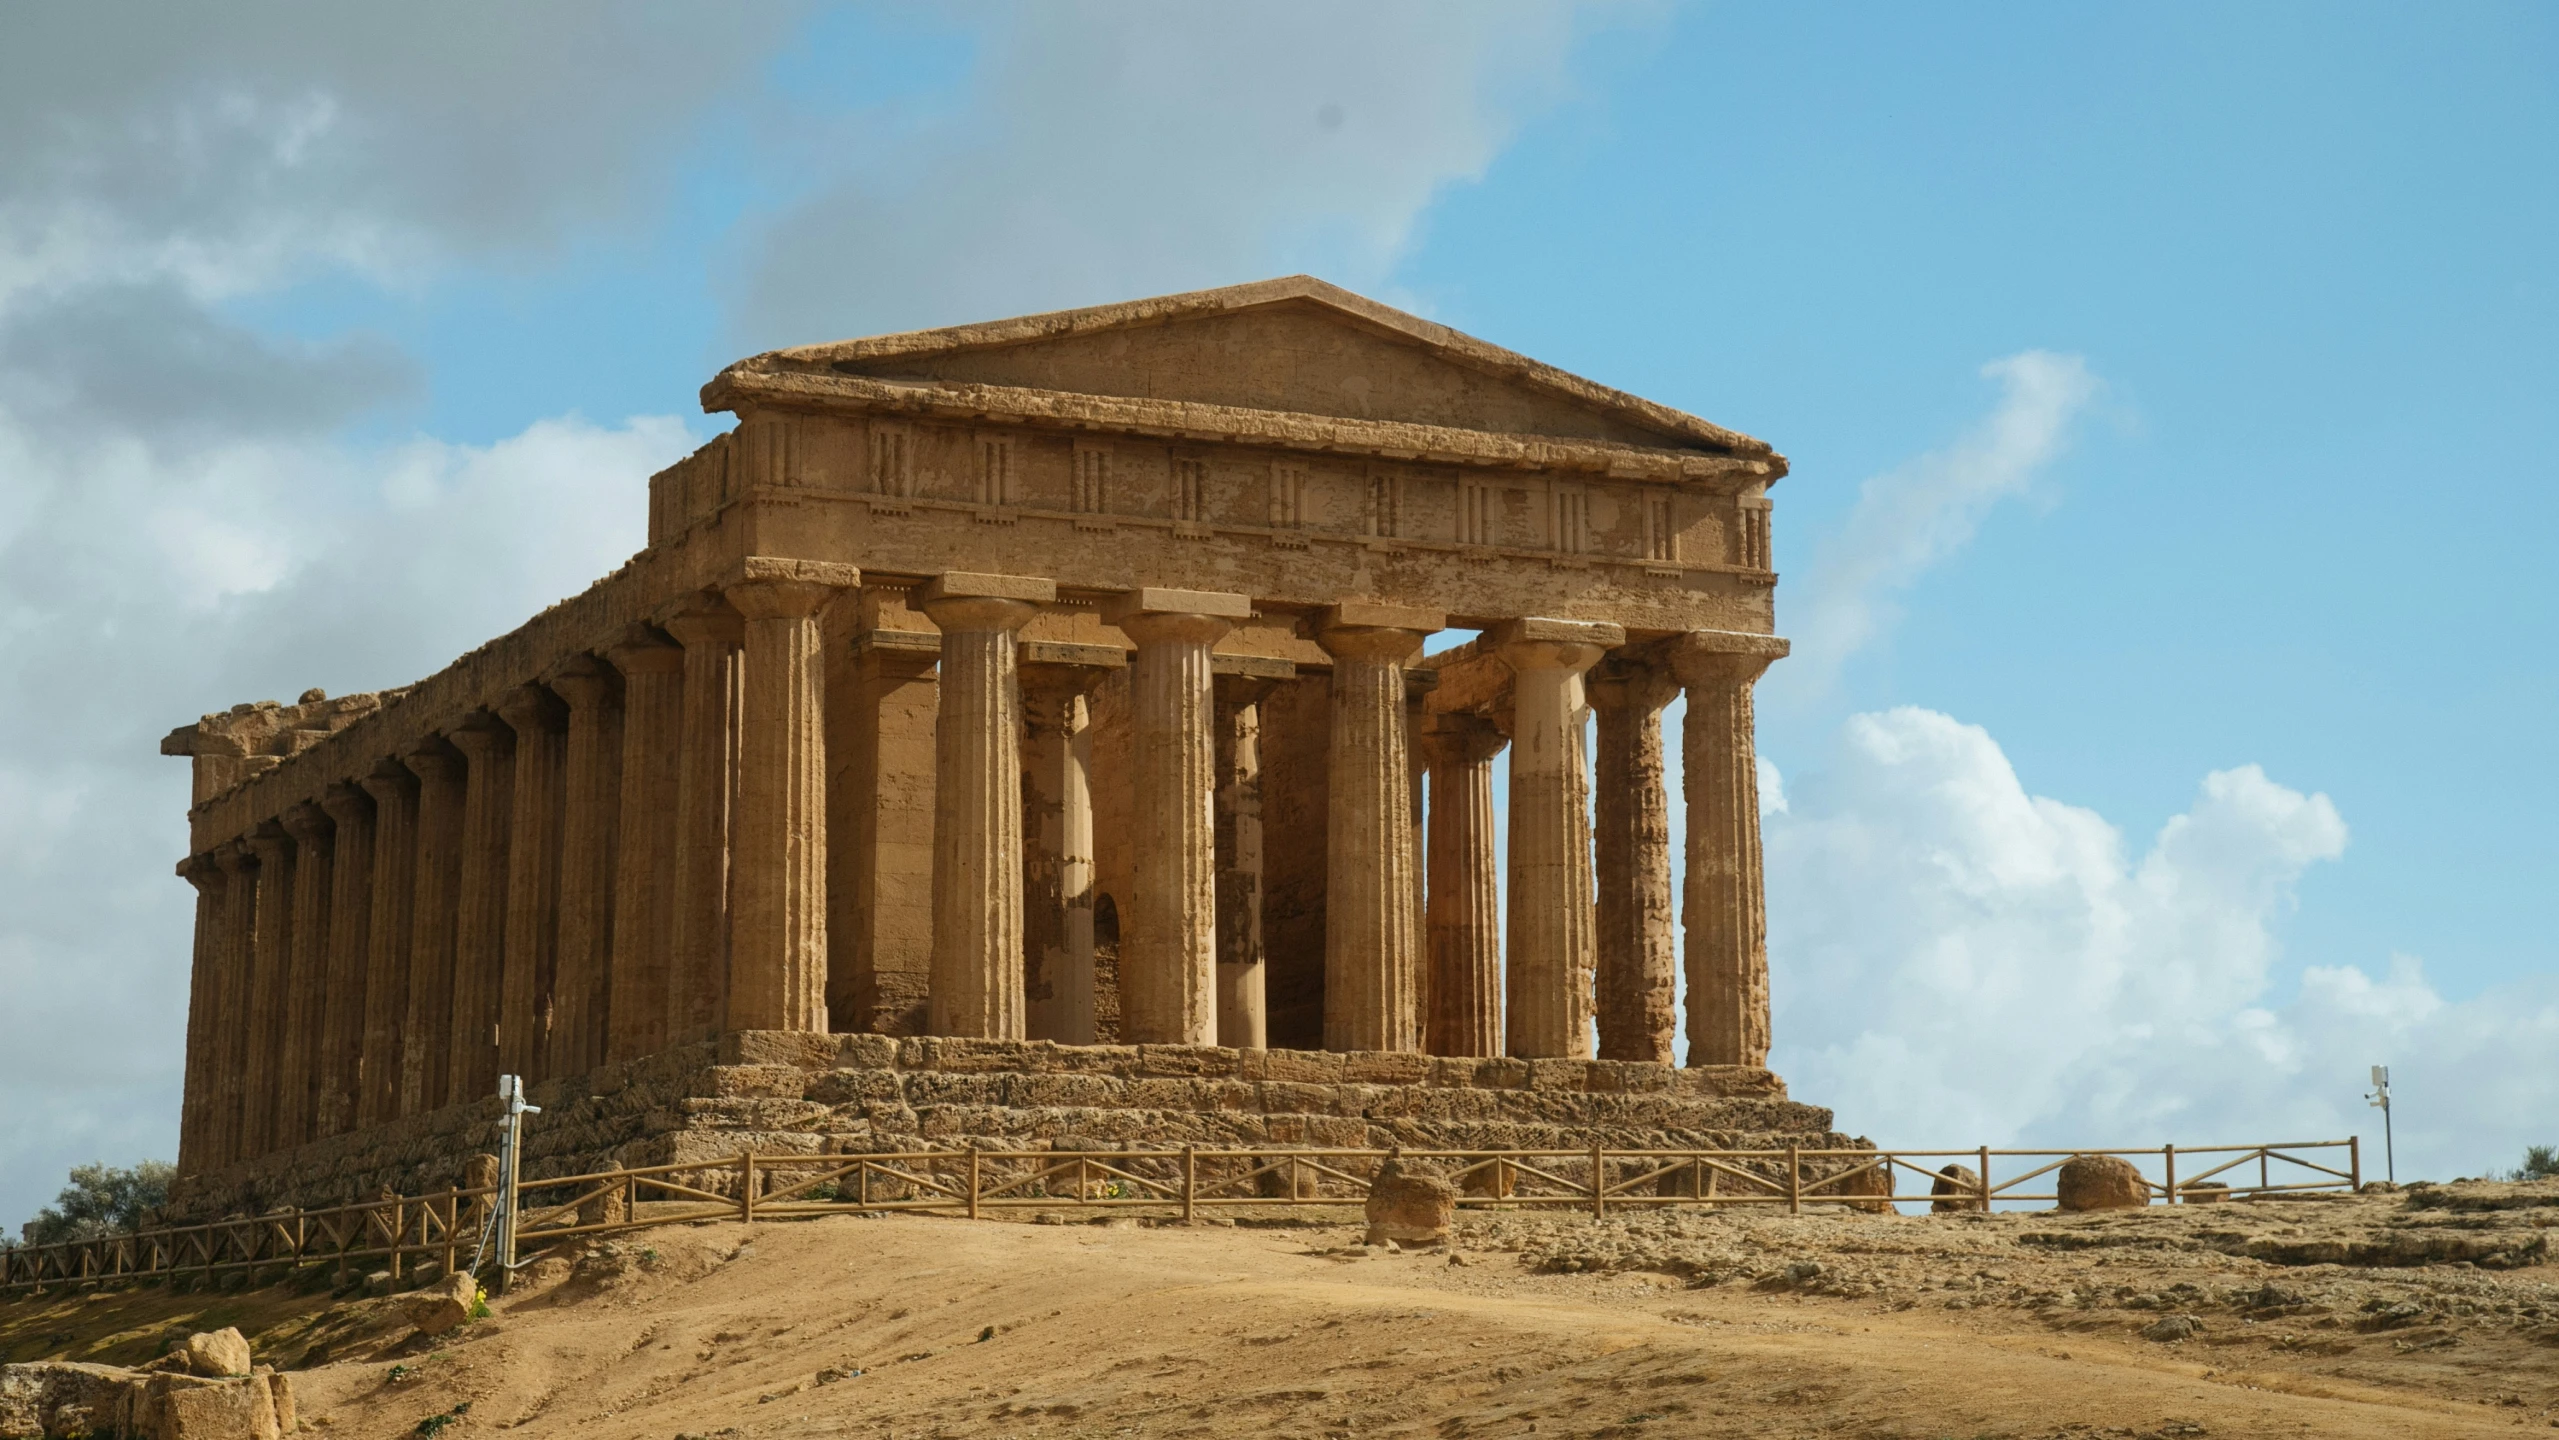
pixel 452 1214
pixel 746 1186
pixel 1985 1179
pixel 1794 1182
pixel 1190 1182
pixel 2355 1161
pixel 1598 1182
pixel 972 1182
pixel 2170 1152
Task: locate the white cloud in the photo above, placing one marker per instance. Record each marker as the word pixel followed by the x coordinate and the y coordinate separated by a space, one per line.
pixel 1111 150
pixel 1960 961
pixel 1913 517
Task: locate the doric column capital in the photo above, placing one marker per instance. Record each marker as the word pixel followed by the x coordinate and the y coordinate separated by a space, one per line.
pixel 269 842
pixel 201 871
pixel 586 682
pixel 346 803
pixel 767 588
pixel 482 736
pixel 645 650
pixel 1725 657
pixel 963 600
pixel 1461 740
pixel 704 618
pixel 1542 644
pixel 389 781
pixel 1623 681
pixel 432 758
pixel 526 709
pixel 308 824
pixel 1156 615
pixel 236 859
pixel 1365 630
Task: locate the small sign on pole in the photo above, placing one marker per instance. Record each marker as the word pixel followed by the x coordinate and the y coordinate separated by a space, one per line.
pixel 2379 1096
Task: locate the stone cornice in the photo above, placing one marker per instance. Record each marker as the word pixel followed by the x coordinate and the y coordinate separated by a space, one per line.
pixel 757 384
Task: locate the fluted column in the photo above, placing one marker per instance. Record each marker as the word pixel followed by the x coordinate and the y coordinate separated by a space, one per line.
pixel 645 852
pixel 270 980
pixel 777 928
pixel 1168 944
pixel 426 1023
pixel 977 802
pixel 480 925
pixel 1724 909
pixel 1372 933
pixel 591 799
pixel 339 1077
pixel 1243 991
pixel 1465 916
pixel 529 926
pixel 1057 829
pixel 1552 944
pixel 394 790
pixel 1638 943
pixel 231 1032
pixel 698 954
pixel 306 991
pixel 204 985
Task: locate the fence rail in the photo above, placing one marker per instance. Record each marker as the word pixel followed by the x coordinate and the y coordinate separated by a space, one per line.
pixel 403 1232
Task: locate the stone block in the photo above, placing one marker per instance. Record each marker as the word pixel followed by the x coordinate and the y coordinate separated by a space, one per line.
pixel 1306 1067
pixel 187 1407
pixel 756 1081
pixel 865 1052
pixel 1161 1060
pixel 1054 1090
pixel 1284 1097
pixel 217 1354
pixel 846 1086
pixel 46 1398
pixel 1559 1074
pixel 1379 1067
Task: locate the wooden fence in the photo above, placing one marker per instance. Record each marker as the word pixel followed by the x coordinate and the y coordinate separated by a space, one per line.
pixel 399 1233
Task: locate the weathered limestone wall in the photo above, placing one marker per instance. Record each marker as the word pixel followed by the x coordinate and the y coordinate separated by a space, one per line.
pixel 779 1092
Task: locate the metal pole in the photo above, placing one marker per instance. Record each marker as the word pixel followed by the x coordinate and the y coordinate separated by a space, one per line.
pixel 2389 1146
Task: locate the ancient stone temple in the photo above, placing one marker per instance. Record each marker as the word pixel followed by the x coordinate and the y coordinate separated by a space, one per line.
pixel 1041 698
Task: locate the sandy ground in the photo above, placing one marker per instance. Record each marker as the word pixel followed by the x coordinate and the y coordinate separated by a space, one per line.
pixel 1666 1323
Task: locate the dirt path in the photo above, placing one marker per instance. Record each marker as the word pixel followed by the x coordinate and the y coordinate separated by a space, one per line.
pixel 920 1327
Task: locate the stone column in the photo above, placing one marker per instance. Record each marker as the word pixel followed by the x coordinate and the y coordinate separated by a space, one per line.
pixel 231 1028
pixel 269 984
pixel 777 926
pixel 480 926
pixel 1057 828
pixel 529 930
pixel 394 790
pixel 1243 999
pixel 204 983
pixel 698 954
pixel 306 998
pixel 1725 908
pixel 590 823
pixel 426 1024
pixel 1465 909
pixel 1552 944
pixel 1168 939
pixel 1372 933
pixel 977 802
pixel 881 888
pixel 645 845
pixel 342 1030
pixel 1638 943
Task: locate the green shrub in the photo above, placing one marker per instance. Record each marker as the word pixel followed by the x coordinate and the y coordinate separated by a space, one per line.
pixel 101 1201
pixel 2540 1162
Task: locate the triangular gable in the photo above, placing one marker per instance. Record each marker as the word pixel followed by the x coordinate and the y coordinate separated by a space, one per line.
pixel 1296 345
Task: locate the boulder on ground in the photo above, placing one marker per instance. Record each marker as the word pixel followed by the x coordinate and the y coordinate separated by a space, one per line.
pixel 190 1407
pixel 444 1306
pixel 2202 1192
pixel 2101 1182
pixel 1865 1185
pixel 44 1399
pixel 1955 1188
pixel 1409 1207
pixel 217 1354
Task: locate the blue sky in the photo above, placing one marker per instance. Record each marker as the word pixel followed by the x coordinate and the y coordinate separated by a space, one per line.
pixel 275 291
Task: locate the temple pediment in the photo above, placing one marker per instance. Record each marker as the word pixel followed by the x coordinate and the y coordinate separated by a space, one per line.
pixel 1294 345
